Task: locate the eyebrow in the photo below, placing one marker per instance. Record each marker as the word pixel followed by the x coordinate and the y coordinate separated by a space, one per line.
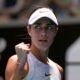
pixel 49 23
pixel 38 23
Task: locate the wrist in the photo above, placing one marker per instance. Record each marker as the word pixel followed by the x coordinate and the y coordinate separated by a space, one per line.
pixel 20 63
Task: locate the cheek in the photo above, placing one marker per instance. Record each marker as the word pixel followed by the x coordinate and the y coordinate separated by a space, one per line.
pixel 52 37
pixel 52 34
pixel 33 35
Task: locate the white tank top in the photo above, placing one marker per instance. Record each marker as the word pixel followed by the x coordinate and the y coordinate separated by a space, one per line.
pixel 41 71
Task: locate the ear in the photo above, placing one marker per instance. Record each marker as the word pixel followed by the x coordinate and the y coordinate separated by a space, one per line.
pixel 56 30
pixel 29 30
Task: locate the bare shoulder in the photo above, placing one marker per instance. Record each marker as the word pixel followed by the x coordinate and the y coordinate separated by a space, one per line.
pixel 12 60
pixel 59 67
pixel 10 67
pixel 13 57
pixel 60 70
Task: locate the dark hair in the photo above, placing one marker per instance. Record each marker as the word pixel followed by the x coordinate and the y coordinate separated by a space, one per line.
pixel 34 8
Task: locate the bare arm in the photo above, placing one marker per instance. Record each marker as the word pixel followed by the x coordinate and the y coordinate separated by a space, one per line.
pixel 17 66
pixel 14 70
pixel 10 68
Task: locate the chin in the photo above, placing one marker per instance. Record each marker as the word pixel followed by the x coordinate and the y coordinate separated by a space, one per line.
pixel 43 48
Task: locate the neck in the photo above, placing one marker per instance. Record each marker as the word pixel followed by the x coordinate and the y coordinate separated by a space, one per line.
pixel 41 55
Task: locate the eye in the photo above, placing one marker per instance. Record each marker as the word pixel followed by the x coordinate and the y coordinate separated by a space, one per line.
pixel 50 27
pixel 37 26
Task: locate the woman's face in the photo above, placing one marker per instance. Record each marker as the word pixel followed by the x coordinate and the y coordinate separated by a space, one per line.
pixel 42 33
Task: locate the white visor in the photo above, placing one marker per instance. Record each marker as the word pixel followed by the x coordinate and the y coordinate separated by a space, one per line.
pixel 40 13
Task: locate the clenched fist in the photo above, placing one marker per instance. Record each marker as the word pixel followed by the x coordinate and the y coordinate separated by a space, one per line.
pixel 22 50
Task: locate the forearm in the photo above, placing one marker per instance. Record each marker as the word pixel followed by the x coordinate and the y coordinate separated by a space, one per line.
pixel 18 72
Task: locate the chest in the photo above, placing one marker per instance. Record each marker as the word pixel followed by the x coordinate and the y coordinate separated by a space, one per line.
pixel 44 72
pixel 41 71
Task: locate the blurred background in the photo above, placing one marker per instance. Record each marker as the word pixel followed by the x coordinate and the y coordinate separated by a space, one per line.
pixel 66 47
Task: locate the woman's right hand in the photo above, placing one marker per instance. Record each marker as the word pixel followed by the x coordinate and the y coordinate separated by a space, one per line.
pixel 22 51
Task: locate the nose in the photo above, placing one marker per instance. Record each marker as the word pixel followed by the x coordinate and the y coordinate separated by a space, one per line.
pixel 43 32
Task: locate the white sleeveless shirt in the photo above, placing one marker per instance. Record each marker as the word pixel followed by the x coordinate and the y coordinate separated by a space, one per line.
pixel 41 71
